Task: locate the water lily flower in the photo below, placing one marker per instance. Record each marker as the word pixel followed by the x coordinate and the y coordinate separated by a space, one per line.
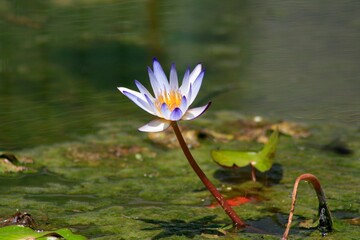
pixel 170 102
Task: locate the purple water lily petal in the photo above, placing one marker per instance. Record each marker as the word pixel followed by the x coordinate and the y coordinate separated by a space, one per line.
pixel 176 114
pixel 143 89
pixel 195 73
pixel 156 125
pixel 165 111
pixel 174 83
pixel 185 83
pixel 196 86
pixel 168 94
pixel 184 104
pixel 160 75
pixel 137 98
pixel 156 86
pixel 152 105
pixel 195 112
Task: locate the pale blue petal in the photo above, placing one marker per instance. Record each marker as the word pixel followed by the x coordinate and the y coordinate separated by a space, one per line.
pixel 188 95
pixel 174 83
pixel 138 99
pixel 151 104
pixel 184 104
pixel 156 125
pixel 196 86
pixel 195 73
pixel 195 112
pixel 160 75
pixel 142 89
pixel 154 83
pixel 176 114
pixel 165 111
pixel 185 83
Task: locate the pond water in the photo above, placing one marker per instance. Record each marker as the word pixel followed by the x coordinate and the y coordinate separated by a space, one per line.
pixel 61 62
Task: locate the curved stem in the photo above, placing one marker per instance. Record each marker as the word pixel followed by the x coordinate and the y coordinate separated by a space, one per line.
pixel 325 222
pixel 238 223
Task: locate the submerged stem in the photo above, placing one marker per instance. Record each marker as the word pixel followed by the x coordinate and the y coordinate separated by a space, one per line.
pixel 238 223
pixel 325 221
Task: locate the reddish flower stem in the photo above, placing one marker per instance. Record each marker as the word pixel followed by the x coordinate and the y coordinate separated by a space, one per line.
pixel 325 222
pixel 238 223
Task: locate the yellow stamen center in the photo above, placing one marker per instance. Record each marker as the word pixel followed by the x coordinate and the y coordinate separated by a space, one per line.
pixel 172 99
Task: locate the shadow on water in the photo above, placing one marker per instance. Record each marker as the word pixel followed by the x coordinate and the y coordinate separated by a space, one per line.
pixel 242 175
pixel 60 199
pixel 273 225
pixel 176 227
pixel 39 179
pixel 43 180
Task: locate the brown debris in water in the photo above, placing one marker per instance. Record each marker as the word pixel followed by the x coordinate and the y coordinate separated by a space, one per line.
pixel 242 130
pixel 23 219
pixel 192 137
pixel 168 139
pixel 93 153
pixel 255 129
pixel 354 221
pixel 292 129
pixel 10 163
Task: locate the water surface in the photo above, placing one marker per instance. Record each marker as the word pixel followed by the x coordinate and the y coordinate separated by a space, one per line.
pixel 61 61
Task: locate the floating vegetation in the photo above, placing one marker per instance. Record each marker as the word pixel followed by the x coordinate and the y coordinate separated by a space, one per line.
pixel 129 177
pixel 168 140
pixel 24 219
pixel 255 129
pixel 22 225
pixel 262 160
pixel 17 232
pixel 10 163
pixel 94 154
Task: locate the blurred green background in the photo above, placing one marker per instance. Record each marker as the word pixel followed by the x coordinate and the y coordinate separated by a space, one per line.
pixel 61 60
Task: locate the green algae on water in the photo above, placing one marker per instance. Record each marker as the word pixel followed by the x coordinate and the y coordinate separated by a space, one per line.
pixel 117 184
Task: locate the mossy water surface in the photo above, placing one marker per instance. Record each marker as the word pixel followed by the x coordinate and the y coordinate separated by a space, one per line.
pixel 119 184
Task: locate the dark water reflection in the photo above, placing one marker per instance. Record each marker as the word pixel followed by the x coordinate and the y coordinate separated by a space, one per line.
pixel 61 61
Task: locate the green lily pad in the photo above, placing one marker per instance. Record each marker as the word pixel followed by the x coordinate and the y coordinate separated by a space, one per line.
pixel 19 232
pixel 262 160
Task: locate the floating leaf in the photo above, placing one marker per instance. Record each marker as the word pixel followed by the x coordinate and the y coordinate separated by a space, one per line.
pixel 262 160
pixel 228 158
pixel 19 232
pixel 267 154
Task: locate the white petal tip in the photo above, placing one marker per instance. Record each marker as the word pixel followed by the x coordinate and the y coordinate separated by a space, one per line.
pixel 195 112
pixel 157 125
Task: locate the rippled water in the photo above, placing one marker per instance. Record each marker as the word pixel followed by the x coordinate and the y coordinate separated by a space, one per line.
pixel 61 60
